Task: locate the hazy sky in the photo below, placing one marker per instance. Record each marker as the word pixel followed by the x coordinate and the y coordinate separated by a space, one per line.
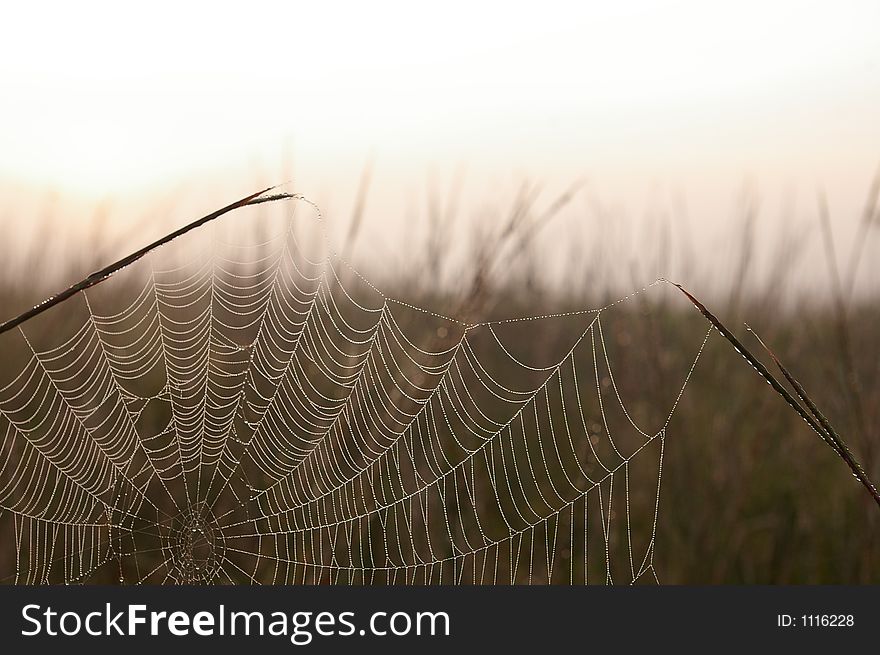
pixel 639 97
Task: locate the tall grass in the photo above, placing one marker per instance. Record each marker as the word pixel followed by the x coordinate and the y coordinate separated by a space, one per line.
pixel 750 495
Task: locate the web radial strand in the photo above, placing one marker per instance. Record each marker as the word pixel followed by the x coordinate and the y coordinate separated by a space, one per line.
pixel 244 407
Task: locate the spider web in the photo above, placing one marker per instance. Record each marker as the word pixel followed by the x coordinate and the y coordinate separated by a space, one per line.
pixel 244 407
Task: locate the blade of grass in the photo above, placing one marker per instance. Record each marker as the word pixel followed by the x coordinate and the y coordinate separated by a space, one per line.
pixel 842 324
pixel 870 215
pixel 101 275
pixel 357 214
pixel 820 426
pixel 843 450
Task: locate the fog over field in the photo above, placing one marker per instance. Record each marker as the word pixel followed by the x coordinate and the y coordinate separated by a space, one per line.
pixel 673 116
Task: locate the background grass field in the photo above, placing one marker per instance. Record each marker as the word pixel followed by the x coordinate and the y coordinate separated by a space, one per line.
pixel 750 494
